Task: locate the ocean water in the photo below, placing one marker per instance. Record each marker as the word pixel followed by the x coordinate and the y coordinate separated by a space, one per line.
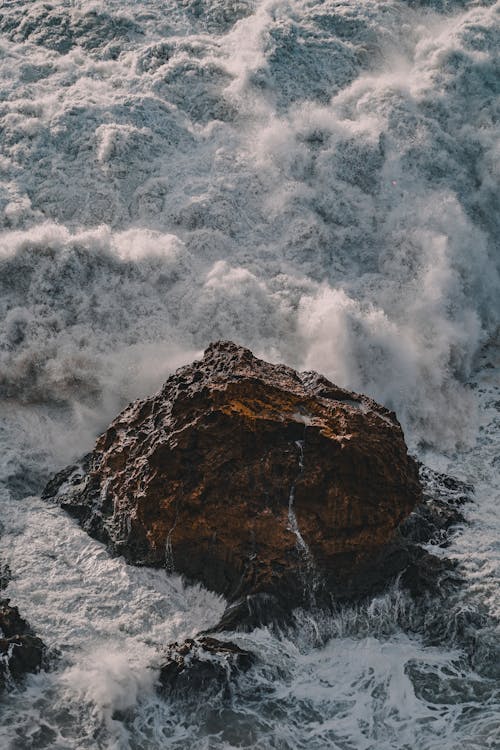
pixel 317 181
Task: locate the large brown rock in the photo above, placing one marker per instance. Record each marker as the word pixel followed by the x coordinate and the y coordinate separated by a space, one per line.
pixel 251 478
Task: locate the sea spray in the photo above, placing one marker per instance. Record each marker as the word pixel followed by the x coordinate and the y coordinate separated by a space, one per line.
pixel 316 181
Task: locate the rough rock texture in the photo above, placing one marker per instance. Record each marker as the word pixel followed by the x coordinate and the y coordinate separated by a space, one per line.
pixel 433 521
pixel 201 666
pixel 253 479
pixel 20 650
pixel 439 513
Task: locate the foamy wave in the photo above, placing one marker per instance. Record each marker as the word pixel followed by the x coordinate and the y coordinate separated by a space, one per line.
pixel 318 181
pixel 311 181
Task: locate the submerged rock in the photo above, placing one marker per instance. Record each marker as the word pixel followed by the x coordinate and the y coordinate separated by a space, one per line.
pixel 20 650
pixel 202 665
pixel 252 478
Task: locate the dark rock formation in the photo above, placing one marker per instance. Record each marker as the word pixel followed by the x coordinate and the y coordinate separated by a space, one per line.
pixel 433 520
pixel 253 479
pixel 20 650
pixel 201 666
pixel 426 574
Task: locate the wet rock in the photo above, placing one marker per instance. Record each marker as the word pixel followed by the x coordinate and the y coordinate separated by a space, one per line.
pixel 426 574
pixel 253 479
pixel 242 474
pixel 69 485
pixel 202 666
pixel 20 650
pixel 433 522
pixel 5 575
pixel 440 511
pixel 250 612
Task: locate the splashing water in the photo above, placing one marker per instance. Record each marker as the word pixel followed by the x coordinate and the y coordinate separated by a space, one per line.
pixel 309 574
pixel 292 518
pixel 169 553
pixel 318 181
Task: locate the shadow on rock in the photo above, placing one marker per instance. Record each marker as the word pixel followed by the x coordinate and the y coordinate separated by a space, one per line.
pixel 202 666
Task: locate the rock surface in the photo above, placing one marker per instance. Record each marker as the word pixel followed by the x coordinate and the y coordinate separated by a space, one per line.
pixel 252 479
pixel 433 521
pixel 202 665
pixel 20 650
pixel 440 511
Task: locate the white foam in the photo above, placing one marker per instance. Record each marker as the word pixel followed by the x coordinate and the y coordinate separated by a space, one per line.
pixel 317 181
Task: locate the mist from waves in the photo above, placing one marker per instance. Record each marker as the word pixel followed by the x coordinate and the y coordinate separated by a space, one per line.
pixel 317 181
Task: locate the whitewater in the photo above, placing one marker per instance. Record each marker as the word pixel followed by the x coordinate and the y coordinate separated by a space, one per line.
pixel 318 181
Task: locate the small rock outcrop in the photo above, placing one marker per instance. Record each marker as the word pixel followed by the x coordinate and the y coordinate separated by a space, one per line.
pixel 440 511
pixel 253 479
pixel 201 666
pixel 20 650
pixel 433 521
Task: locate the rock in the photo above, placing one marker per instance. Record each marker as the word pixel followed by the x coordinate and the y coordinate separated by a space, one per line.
pixel 252 611
pixel 202 666
pixel 426 574
pixel 20 650
pixel 439 513
pixel 433 521
pixel 67 485
pixel 252 479
pixel 5 575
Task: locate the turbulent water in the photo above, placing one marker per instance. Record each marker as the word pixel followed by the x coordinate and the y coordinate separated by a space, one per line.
pixel 317 181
